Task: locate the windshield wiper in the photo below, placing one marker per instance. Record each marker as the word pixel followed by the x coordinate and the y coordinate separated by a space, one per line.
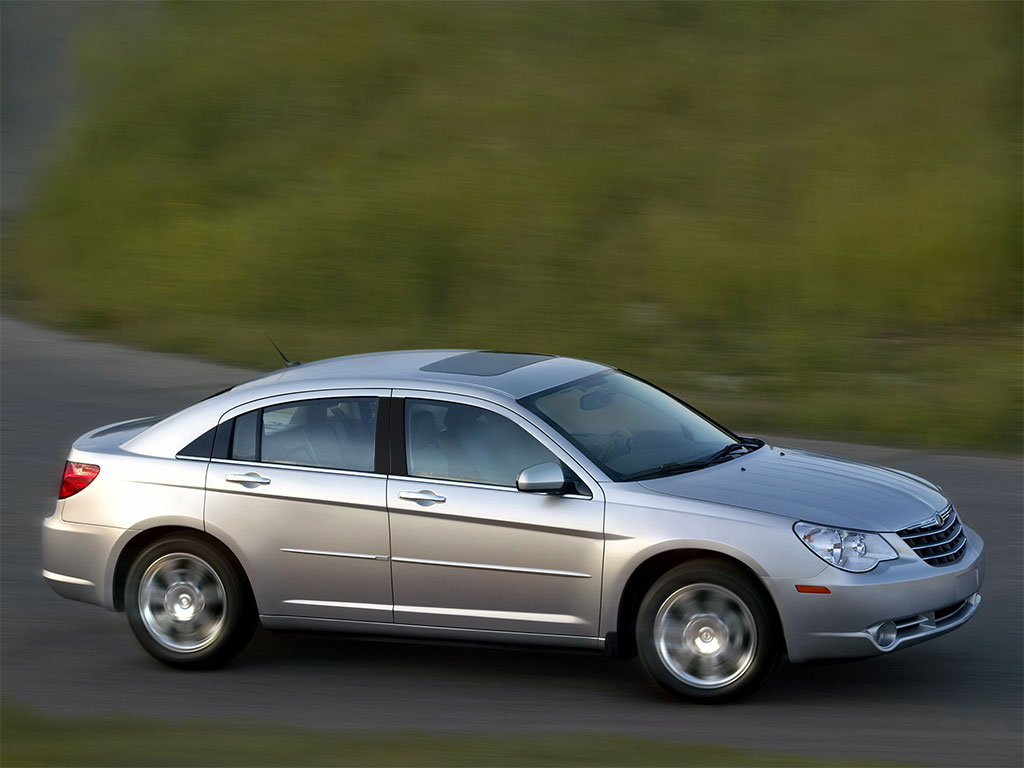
pixel 671 468
pixel 721 454
pixel 678 467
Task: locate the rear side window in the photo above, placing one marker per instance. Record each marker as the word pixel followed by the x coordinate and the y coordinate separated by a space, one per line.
pixel 333 433
pixel 243 441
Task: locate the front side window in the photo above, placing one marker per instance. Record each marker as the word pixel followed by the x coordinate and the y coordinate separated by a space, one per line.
pixel 627 427
pixel 452 441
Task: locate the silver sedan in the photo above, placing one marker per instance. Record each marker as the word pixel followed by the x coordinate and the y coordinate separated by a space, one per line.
pixel 501 497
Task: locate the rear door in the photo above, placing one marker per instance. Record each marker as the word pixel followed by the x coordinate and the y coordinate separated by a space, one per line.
pixel 298 488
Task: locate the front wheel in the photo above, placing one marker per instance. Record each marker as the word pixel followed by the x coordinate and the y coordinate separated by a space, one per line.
pixel 706 633
pixel 188 605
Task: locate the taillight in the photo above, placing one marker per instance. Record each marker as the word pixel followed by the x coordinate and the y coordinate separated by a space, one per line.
pixel 76 477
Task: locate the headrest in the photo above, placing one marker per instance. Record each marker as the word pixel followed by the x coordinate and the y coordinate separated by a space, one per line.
pixel 423 429
pixel 460 415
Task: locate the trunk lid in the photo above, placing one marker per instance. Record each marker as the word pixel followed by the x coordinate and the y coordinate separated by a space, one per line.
pixel 114 435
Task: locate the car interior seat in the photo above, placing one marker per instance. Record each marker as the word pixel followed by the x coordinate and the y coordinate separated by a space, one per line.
pixel 425 456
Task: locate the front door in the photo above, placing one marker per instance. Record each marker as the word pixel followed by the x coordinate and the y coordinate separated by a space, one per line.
pixel 469 550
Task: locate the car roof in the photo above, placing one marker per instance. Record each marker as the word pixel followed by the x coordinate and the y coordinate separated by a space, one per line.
pixel 493 375
pixel 513 374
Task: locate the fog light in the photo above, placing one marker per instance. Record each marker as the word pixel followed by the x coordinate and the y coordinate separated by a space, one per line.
pixel 885 635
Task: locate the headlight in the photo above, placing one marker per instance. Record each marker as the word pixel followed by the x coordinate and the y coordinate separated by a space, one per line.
pixel 848 550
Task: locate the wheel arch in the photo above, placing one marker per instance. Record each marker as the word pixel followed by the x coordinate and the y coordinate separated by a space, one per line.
pixel 622 641
pixel 135 545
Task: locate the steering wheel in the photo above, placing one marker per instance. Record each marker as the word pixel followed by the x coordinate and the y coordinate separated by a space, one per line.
pixel 623 443
pixel 607 446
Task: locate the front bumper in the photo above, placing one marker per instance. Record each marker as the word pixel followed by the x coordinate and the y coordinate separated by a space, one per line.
pixel 898 604
pixel 78 559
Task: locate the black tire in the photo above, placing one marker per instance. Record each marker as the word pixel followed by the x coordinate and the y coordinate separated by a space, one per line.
pixel 200 612
pixel 706 632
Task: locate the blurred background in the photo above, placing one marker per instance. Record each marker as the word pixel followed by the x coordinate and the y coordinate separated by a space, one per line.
pixel 801 217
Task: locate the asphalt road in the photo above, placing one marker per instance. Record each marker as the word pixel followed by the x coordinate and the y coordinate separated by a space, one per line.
pixel 955 700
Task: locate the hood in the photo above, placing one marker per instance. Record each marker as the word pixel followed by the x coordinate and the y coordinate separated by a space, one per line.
pixel 812 487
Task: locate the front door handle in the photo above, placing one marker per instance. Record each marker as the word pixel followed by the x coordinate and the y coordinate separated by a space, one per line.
pixel 423 498
pixel 249 478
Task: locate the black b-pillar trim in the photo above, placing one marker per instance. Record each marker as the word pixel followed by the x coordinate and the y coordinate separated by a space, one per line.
pixel 382 439
pixel 398 436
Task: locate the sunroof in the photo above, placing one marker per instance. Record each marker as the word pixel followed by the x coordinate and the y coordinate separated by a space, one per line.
pixel 484 363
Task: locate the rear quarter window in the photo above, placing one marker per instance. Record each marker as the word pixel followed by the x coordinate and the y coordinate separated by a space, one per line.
pixel 201 447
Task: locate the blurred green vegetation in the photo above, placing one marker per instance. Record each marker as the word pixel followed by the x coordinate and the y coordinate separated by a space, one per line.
pixel 802 217
pixel 34 739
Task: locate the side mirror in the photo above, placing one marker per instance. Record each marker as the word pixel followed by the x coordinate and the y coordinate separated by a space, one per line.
pixel 548 477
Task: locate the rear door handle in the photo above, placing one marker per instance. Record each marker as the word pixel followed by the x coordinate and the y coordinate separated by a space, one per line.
pixel 423 498
pixel 249 478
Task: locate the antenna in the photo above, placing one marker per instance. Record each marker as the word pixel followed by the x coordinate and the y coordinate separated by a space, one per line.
pixel 287 363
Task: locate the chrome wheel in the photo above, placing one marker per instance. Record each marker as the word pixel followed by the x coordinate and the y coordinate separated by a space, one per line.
pixel 705 635
pixel 182 602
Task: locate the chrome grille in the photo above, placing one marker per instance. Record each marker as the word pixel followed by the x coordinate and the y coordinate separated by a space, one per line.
pixel 938 541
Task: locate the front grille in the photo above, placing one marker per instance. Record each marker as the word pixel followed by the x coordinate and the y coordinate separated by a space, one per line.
pixel 938 541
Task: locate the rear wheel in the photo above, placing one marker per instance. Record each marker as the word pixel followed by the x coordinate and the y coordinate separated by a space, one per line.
pixel 187 604
pixel 706 633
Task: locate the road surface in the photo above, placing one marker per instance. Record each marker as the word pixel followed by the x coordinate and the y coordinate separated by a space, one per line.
pixel 955 700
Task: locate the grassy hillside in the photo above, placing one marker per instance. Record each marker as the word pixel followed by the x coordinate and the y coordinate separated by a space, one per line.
pixel 802 217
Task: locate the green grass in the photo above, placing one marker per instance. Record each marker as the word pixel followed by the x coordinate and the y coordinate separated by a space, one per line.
pixel 804 218
pixel 33 739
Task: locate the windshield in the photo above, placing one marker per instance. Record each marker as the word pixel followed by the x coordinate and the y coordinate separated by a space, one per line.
pixel 629 428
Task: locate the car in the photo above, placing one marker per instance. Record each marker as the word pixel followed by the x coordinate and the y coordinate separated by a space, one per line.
pixel 501 497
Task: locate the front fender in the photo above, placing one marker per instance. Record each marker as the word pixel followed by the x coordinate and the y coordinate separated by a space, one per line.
pixel 636 533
